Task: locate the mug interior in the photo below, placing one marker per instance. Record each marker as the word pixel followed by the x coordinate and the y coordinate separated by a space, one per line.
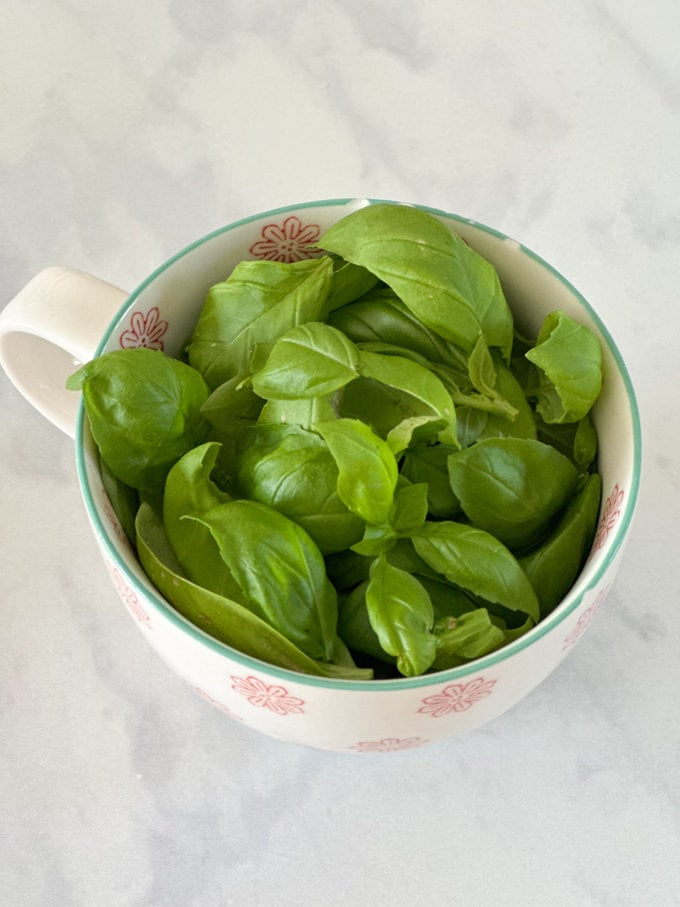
pixel 162 311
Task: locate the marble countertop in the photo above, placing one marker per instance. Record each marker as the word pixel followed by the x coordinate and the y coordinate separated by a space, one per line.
pixel 126 131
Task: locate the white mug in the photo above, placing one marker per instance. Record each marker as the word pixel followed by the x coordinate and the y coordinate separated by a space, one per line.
pixel 63 318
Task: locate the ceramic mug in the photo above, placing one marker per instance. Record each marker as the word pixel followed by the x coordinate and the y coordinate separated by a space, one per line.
pixel 63 318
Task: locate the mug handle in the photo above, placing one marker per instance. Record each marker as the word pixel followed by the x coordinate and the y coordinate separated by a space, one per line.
pixel 48 330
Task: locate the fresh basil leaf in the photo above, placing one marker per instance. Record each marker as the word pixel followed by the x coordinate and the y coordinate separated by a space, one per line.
pixel 420 428
pixel 232 404
pixel 460 639
pixel 310 360
pixel 292 470
pixel 429 465
pixel 448 600
pixel 448 286
pixel 476 561
pixel 576 440
pixel 416 381
pixel 189 491
pixel 553 567
pixel 518 424
pixel 144 410
pixel 400 612
pixel 511 487
pixel 305 412
pixel 355 629
pixel 394 415
pixel 381 317
pixel 280 570
pixel 367 469
pixel 123 498
pixel 569 358
pixel 257 303
pixel 218 616
pixel 407 514
pixel 350 282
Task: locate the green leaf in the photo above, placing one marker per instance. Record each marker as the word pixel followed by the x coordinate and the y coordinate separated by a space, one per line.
pixel 478 562
pixel 310 360
pixel 511 487
pixel 569 358
pixel 460 639
pixel 576 440
pixel 400 612
pixel 429 465
pixel 448 286
pixel 416 381
pixel 233 404
pixel 349 283
pixel 280 570
pixel 553 567
pixel 190 491
pixel 123 498
pixel 305 412
pixel 257 303
pixel 407 515
pixel 144 410
pixel 355 629
pixel 219 616
pixel 292 470
pixel 367 469
pixel 381 317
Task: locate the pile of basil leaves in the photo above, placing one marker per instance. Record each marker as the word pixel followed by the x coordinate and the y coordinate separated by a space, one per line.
pixel 361 469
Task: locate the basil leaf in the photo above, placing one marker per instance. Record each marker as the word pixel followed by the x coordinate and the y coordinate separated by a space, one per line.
pixel 257 303
pixel 355 628
pixel 553 567
pixel 407 515
pixel 123 498
pixel 219 616
pixel 349 283
pixel 233 404
pixel 292 470
pixel 478 562
pixel 400 612
pixel 280 570
pixel 462 638
pixel 429 465
pixel 305 412
pixel 569 358
pixel 190 490
pixel 367 469
pixel 144 410
pixel 511 487
pixel 416 381
pixel 381 317
pixel 576 440
pixel 446 285
pixel 310 360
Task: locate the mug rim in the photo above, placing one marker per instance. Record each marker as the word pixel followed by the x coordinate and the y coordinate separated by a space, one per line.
pixel 478 665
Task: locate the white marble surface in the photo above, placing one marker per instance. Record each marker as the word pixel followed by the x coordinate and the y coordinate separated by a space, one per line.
pixel 127 129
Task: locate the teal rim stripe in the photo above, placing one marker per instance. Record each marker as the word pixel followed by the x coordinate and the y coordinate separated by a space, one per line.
pixel 452 674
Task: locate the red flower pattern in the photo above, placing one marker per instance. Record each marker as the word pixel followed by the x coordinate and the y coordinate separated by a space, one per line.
pixel 584 620
pixel 130 598
pixel 268 696
pixel 610 514
pixel 145 330
pixel 287 242
pixel 457 697
pixel 388 744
